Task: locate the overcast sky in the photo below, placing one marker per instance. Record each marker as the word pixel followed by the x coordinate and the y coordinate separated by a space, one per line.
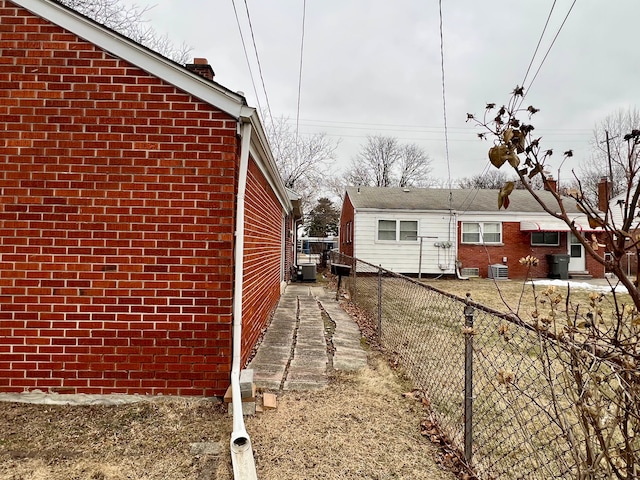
pixel 373 66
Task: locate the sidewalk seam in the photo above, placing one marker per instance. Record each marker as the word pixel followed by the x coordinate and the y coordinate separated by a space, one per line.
pixel 294 341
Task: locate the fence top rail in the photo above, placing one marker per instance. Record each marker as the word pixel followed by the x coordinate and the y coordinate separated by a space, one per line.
pixel 508 317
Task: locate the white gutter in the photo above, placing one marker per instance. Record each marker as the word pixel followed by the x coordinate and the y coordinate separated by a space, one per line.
pixel 244 466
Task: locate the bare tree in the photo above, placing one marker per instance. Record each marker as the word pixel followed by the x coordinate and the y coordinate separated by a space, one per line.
pixel 380 155
pixel 303 162
pixel 130 22
pixel 415 166
pixel 384 162
pixel 487 180
pixel 608 141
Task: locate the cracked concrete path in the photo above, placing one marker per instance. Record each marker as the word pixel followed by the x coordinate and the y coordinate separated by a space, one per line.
pixel 298 351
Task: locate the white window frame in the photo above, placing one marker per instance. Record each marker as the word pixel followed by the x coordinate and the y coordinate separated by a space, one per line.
pixel 398 223
pixel 480 233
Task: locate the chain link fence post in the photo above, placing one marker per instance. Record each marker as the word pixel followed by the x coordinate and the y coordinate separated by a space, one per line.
pixel 468 381
pixel 354 272
pixel 379 301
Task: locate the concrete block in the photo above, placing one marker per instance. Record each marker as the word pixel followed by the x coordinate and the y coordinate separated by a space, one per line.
pixel 228 395
pixel 248 408
pixel 206 448
pixel 246 382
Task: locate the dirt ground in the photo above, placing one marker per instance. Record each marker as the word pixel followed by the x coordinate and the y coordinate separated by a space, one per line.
pixel 360 426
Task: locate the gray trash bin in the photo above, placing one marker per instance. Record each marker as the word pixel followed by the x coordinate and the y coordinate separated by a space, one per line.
pixel 559 266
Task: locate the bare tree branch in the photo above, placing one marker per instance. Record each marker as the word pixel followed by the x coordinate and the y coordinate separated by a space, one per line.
pixel 130 22
pixel 384 162
pixel 303 164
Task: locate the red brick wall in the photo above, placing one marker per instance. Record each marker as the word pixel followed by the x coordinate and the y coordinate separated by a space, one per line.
pixel 346 216
pixel 517 244
pixel 263 257
pixel 116 222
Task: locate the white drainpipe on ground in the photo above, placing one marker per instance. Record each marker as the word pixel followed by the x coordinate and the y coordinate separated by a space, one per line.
pixel 241 451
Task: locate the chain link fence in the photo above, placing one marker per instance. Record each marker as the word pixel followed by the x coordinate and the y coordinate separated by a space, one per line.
pixel 496 386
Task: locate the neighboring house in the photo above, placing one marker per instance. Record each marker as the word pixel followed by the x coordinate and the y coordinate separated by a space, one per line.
pixel 444 232
pixel 616 207
pixel 119 178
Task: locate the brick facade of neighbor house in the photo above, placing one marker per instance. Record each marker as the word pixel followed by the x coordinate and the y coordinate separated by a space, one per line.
pixel 516 244
pixel 117 211
pixel 347 217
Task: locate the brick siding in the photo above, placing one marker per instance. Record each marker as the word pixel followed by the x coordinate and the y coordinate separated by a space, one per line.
pixel 347 215
pixel 117 213
pixel 263 257
pixel 516 245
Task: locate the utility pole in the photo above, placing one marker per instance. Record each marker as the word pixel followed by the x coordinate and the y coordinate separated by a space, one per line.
pixel 606 132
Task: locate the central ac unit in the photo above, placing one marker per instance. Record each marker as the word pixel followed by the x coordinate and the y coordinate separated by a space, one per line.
pixel 498 272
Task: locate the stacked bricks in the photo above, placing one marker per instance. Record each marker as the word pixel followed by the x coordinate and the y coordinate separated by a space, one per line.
pixel 117 204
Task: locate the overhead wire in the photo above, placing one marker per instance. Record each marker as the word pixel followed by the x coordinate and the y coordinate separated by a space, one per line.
pixel 526 91
pixel 246 55
pixel 304 13
pixel 444 116
pixel 533 57
pixel 255 49
pixel 444 96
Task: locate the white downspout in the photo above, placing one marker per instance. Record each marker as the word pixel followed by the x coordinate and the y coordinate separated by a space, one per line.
pixel 241 452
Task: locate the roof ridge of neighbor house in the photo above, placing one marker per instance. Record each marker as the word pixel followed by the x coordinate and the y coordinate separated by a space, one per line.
pixel 209 91
pixel 457 200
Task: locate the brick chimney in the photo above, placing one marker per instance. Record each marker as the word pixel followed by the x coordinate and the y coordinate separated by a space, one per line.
pixel 551 185
pixel 201 67
pixel 604 194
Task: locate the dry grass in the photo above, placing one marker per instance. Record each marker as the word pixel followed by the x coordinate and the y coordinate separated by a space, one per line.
pixel 360 426
pixel 518 297
pixel 147 440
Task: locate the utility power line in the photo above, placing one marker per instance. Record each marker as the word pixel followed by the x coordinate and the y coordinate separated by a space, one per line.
pixel 548 50
pixel 304 13
pixel 246 55
pixel 444 95
pixel 539 42
pixel 255 49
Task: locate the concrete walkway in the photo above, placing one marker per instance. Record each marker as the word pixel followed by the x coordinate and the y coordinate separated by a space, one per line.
pixel 301 346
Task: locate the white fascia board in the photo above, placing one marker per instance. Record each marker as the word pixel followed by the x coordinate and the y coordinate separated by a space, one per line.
pixel 262 155
pixel 137 55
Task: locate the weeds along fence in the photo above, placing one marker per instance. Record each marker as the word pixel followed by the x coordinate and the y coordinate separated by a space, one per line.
pixel 496 388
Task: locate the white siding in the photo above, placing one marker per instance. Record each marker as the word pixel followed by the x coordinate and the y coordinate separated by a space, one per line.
pixel 403 256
